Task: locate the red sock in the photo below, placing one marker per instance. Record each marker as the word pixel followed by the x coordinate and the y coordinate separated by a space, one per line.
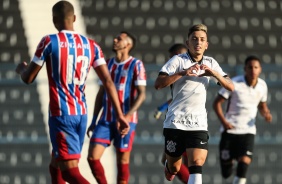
pixel 97 171
pixel 183 174
pixel 56 175
pixel 123 173
pixel 73 176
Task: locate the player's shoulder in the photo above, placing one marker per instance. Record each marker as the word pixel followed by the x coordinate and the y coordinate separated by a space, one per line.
pixel 238 78
pixel 209 59
pixel 136 60
pixel 262 82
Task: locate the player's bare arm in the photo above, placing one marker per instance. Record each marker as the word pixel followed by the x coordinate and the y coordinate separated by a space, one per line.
pixel 164 80
pixel 225 82
pixel 28 72
pixel 217 105
pixel 265 112
pixel 97 108
pixel 141 95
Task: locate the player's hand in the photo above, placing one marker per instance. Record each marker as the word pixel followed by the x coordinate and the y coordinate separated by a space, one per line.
pixel 207 71
pixel 157 114
pixel 90 129
pixel 192 71
pixel 21 67
pixel 92 126
pixel 123 125
pixel 227 126
pixel 268 117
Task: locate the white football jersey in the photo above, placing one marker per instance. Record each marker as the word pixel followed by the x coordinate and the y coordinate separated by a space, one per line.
pixel 187 110
pixel 243 104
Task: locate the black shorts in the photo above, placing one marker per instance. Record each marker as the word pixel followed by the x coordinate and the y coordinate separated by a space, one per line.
pixel 177 141
pixel 233 146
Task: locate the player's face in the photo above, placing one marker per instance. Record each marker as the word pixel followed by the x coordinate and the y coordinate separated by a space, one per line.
pixel 253 69
pixel 197 43
pixel 121 42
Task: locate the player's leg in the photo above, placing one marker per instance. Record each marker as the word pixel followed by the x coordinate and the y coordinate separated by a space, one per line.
pixel 197 151
pixel 163 158
pixel 225 155
pixel 55 172
pixel 245 153
pixel 196 160
pixel 100 139
pixel 123 147
pixel 67 143
pixel 183 173
pixel 174 147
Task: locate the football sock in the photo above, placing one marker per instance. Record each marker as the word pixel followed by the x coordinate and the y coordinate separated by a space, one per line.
pixel 56 175
pixel 73 176
pixel 123 173
pixel 195 176
pixel 195 179
pixel 97 171
pixel 242 169
pixel 183 174
pixel 238 180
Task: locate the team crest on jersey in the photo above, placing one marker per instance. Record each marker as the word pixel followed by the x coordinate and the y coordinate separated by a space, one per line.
pixel 225 155
pixel 171 146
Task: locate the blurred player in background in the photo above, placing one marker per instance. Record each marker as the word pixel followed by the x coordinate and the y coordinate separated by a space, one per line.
pixel 68 57
pixel 128 74
pixel 183 173
pixel 238 123
pixel 185 125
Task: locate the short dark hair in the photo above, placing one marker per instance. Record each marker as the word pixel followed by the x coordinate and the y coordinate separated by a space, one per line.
pixel 63 9
pixel 132 37
pixel 250 58
pixel 176 47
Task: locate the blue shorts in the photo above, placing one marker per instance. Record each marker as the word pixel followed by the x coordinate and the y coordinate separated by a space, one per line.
pixel 106 131
pixel 67 135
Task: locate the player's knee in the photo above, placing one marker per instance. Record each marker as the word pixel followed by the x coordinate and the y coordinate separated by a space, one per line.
pixel 242 169
pixel 195 169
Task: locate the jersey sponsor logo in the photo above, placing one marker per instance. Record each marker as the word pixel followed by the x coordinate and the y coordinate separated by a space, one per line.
pixel 171 146
pixel 187 121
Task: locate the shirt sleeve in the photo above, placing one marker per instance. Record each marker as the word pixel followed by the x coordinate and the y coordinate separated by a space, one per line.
pixel 140 74
pixel 224 93
pixel 217 68
pixel 172 66
pixel 43 51
pixel 264 97
pixel 99 56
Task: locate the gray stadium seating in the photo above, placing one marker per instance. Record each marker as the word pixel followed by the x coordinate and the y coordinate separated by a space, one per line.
pixel 24 153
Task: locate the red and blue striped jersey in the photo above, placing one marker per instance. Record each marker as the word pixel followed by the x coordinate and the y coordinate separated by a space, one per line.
pixel 126 75
pixel 68 56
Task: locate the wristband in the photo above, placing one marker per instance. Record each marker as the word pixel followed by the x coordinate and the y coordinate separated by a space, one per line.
pixel 163 107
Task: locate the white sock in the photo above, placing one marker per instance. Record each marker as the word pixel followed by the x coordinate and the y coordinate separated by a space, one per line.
pixel 195 179
pixel 238 180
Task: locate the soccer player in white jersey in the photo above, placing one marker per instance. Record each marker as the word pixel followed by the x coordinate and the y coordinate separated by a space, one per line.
pixel 185 125
pixel 238 123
